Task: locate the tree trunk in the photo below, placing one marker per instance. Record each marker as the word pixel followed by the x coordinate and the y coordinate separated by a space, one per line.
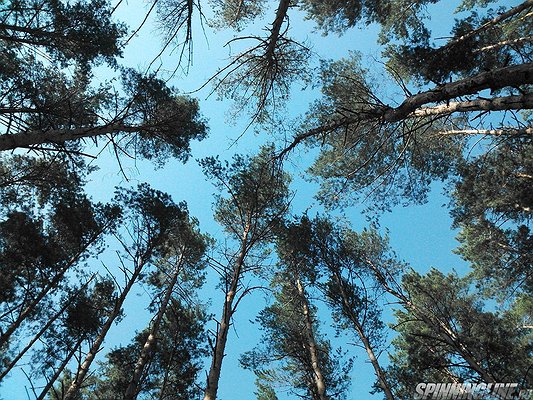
pixel 281 14
pixel 32 138
pixel 50 321
pixel 213 377
pixel 447 334
pixel 83 369
pixel 503 43
pixel 496 79
pixel 59 371
pixel 488 132
pixel 146 352
pixel 4 338
pixel 320 382
pixel 515 75
pixel 521 102
pixel 382 380
pixel 502 17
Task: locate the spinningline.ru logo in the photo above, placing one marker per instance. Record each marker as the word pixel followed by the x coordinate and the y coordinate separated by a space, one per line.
pixel 482 391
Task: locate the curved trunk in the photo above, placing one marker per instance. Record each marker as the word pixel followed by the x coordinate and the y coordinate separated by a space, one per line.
pixel 413 105
pixel 496 79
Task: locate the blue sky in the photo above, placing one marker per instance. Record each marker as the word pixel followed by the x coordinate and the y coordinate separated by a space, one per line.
pixel 421 235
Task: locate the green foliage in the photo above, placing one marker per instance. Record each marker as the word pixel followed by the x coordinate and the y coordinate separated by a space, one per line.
pixel 466 54
pixel 53 95
pixel 49 228
pixel 284 355
pixel 36 248
pixel 175 365
pixel 389 162
pixel 87 310
pixel 447 334
pixel 256 190
pixel 236 13
pixel 82 31
pixel 167 122
pixel 492 205
pixel 264 390
pixel 158 221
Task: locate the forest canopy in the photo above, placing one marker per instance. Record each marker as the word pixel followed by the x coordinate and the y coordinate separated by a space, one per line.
pixel 126 293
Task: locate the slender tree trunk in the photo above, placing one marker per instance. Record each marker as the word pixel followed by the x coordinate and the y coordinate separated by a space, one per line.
pixel 488 132
pixel 83 369
pixel 59 371
pixel 448 334
pixel 213 377
pixel 147 350
pixel 505 43
pixel 4 338
pixel 383 383
pixel 500 18
pixel 320 382
pixel 281 14
pixel 50 321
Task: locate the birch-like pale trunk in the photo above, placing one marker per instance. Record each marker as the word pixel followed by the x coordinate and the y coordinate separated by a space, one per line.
pixel 147 350
pixel 319 381
pixel 213 376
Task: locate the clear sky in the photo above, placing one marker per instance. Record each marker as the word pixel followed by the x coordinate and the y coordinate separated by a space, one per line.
pixel 421 235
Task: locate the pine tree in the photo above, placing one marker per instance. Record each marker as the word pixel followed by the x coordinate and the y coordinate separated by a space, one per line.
pixel 255 201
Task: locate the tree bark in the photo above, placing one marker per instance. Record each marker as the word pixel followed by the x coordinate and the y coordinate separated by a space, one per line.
pixel 511 76
pixel 515 75
pixel 382 380
pixel 488 132
pixel 502 17
pixel 281 14
pixel 4 338
pixel 320 382
pixel 32 138
pixel 213 377
pixel 83 369
pixel 521 102
pixel 503 43
pixel 38 335
pixel 147 350
pixel 448 335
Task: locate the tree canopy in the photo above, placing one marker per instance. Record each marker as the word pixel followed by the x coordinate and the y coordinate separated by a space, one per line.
pixel 131 296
